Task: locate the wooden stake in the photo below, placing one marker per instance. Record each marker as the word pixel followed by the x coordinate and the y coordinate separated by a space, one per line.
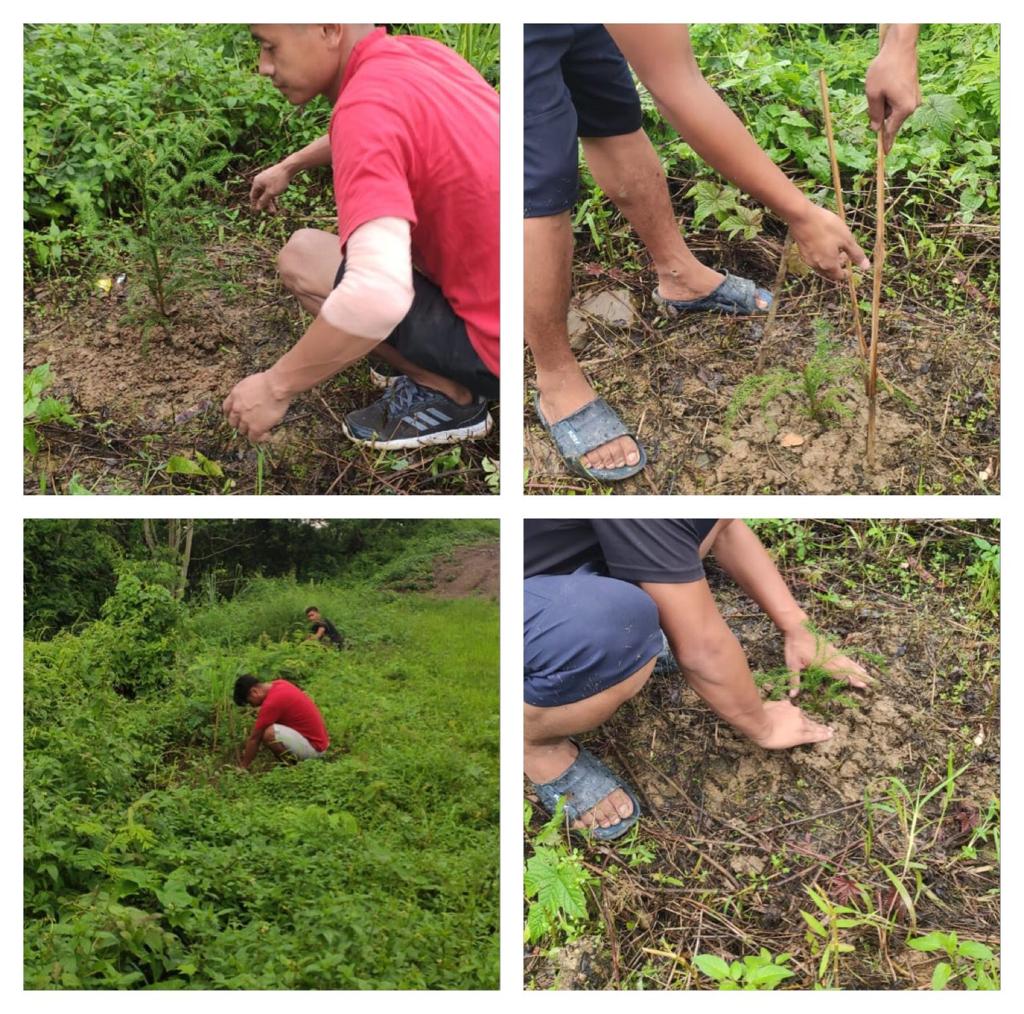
pixel 877 257
pixel 780 277
pixel 837 185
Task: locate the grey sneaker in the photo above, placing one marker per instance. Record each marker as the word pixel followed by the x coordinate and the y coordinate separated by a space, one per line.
pixel 409 416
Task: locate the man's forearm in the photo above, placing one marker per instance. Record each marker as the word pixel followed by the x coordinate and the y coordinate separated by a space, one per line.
pixel 319 354
pixel 663 60
pixel 740 553
pixel 709 655
pixel 317 153
pixel 899 36
pixel 252 745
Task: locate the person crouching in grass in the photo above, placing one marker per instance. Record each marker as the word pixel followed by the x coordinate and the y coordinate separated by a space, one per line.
pixel 289 724
pixel 411 278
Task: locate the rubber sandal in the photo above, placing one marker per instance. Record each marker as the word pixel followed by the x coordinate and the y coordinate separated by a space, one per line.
pixel 584 785
pixel 735 295
pixel 586 429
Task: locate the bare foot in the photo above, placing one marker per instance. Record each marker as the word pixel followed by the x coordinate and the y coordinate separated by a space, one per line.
pixel 695 284
pixel 544 763
pixel 566 391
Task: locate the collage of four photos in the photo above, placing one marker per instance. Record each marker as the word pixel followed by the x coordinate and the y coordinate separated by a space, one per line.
pixel 262 748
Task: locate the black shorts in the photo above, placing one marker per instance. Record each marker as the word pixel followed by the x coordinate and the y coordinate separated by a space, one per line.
pixel 433 335
pixel 576 84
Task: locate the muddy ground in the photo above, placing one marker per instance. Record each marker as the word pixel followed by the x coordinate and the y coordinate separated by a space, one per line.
pixel 739 833
pixel 468 570
pixel 673 380
pixel 144 394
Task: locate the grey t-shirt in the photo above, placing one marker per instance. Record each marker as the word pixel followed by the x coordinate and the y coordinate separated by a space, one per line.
pixel 658 550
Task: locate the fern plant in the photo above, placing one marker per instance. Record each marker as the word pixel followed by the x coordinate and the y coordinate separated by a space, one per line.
pixel 171 170
pixel 821 384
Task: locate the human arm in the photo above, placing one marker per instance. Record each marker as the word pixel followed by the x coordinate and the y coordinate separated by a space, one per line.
pixel 891 82
pixel 740 553
pixel 714 665
pixel 252 745
pixel 273 181
pixel 663 59
pixel 372 298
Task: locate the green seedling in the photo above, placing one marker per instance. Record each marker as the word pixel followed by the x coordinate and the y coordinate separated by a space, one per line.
pixel 39 410
pixel 822 384
pixel 969 962
pixel 555 881
pixel 760 971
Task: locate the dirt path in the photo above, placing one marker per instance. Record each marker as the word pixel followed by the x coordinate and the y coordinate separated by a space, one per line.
pixel 468 570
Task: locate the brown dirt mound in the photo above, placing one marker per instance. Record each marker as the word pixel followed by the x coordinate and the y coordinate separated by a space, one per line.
pixel 468 570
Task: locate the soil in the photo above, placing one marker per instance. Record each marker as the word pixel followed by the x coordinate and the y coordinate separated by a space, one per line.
pixel 144 392
pixel 468 570
pixel 743 831
pixel 672 381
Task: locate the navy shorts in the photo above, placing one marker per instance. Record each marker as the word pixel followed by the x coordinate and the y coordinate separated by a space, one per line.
pixel 433 335
pixel 576 84
pixel 583 633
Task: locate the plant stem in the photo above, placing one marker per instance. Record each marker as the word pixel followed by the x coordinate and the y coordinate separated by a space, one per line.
pixel 780 277
pixel 837 185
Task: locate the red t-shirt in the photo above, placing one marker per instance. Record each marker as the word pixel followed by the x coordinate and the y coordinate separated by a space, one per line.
pixel 414 135
pixel 286 704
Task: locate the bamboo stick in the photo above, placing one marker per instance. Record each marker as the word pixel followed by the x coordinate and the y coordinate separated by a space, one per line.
pixel 837 185
pixel 877 257
pixel 780 277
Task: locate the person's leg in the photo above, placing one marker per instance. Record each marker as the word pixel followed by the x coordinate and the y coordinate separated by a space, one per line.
pixel 590 644
pixel 548 751
pixel 307 264
pixel 627 169
pixel 547 283
pixel 272 743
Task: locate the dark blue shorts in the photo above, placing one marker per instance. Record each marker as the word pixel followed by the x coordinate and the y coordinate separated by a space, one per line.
pixel 583 633
pixel 576 84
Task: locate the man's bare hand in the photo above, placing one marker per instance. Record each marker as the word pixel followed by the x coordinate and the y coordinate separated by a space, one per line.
pixel 826 245
pixel 804 648
pixel 268 186
pixel 788 726
pixel 253 408
pixel 892 90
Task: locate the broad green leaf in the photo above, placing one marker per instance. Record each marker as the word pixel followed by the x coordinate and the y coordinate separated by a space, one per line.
pixel 179 465
pixel 816 926
pixel 941 974
pixel 976 950
pixel 929 942
pixel 712 966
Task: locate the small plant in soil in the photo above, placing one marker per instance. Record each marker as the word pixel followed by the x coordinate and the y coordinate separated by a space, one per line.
pixel 970 962
pixel 756 971
pixel 169 173
pixel 820 691
pixel 821 384
pixel 555 881
pixel 39 410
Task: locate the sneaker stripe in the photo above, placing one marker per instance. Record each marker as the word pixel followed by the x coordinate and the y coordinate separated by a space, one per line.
pixel 414 421
pixel 436 415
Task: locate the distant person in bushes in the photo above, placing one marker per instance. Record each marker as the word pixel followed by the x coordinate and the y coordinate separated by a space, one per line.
pixel 411 277
pixel 601 598
pixel 321 629
pixel 579 88
pixel 289 724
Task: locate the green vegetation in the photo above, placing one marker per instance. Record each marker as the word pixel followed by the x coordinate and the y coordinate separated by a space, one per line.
pixel 869 862
pixel 152 861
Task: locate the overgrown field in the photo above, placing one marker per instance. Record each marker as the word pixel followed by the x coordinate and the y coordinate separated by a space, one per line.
pixel 868 862
pixel 152 861
pixel 723 407
pixel 150 285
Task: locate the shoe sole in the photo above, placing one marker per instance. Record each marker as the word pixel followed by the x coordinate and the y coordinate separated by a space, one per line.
pixel 480 429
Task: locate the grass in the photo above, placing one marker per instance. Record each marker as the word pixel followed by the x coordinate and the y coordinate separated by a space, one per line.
pixel 162 866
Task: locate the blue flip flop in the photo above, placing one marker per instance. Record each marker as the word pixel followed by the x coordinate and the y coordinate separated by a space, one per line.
pixel 584 785
pixel 735 295
pixel 586 429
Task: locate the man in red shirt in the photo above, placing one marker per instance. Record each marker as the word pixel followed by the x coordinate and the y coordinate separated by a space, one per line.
pixel 288 721
pixel 413 275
